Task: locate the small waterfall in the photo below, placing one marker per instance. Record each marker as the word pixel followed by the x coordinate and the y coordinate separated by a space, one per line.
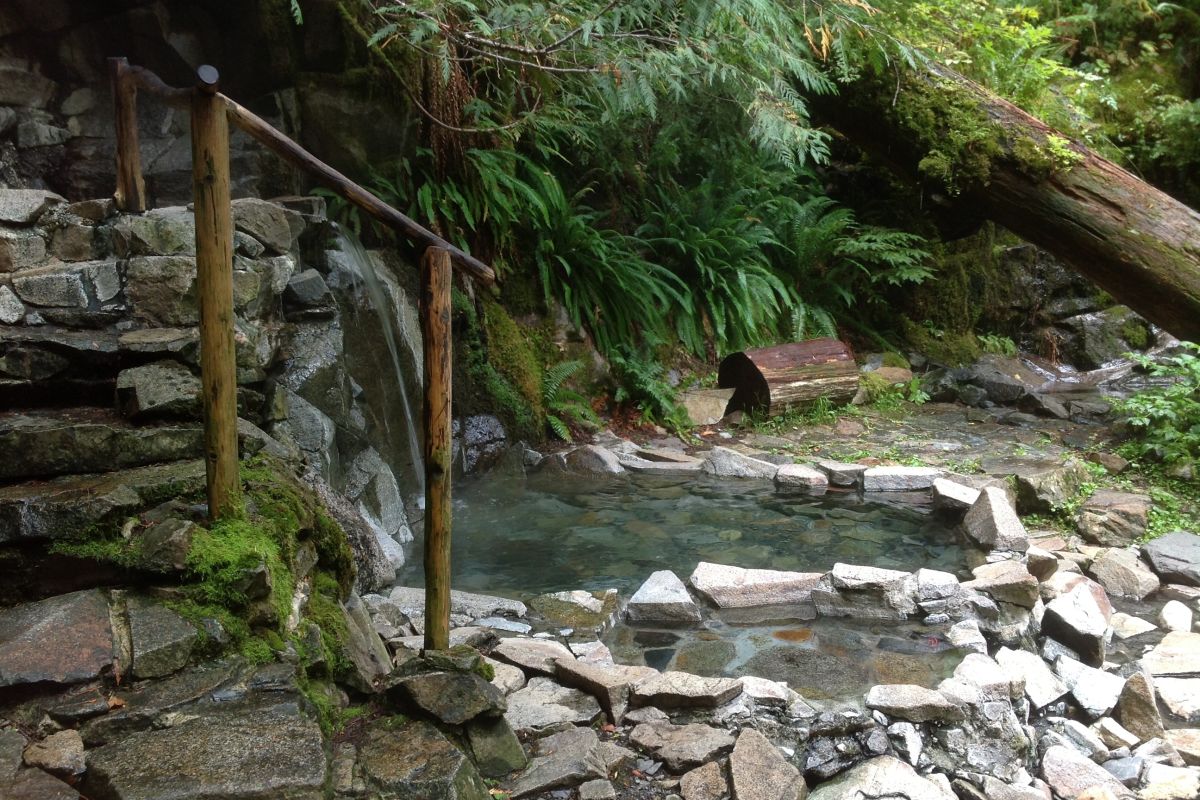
pixel 395 319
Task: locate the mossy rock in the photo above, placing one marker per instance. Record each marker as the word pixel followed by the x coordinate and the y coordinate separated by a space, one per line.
pixel 561 612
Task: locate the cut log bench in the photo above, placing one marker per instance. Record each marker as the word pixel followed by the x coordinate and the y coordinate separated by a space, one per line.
pixel 772 380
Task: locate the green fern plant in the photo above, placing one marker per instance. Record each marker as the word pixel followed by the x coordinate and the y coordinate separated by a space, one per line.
pixel 565 406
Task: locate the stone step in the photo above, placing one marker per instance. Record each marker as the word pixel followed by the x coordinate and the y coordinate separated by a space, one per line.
pixel 48 443
pixel 70 505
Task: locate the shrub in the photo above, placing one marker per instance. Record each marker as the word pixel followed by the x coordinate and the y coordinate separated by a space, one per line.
pixel 1165 419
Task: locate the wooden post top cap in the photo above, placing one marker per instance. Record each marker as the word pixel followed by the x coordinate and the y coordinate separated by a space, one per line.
pixel 207 78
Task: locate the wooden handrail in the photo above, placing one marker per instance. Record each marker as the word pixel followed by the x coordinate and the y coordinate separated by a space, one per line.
pixel 263 132
pixel 127 79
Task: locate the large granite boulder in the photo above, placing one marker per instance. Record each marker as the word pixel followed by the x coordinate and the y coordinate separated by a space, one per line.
pixel 1175 557
pixel 1070 774
pixel 415 760
pixel 663 600
pixel 726 463
pixel 239 751
pixel 736 587
pixel 1113 519
pixel 992 523
pixel 759 771
pixel 1079 620
pixel 1121 573
pixel 866 592
pixel 681 747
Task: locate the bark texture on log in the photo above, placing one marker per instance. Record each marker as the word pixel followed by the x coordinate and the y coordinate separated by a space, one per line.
pixel 772 380
pixel 1136 242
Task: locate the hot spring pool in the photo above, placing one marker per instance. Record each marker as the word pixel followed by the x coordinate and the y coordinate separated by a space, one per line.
pixel 522 536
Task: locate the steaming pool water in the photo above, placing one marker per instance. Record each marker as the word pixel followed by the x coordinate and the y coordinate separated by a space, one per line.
pixel 521 536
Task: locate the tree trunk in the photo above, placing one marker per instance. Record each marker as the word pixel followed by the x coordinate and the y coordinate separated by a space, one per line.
pixel 1136 242
pixel 772 380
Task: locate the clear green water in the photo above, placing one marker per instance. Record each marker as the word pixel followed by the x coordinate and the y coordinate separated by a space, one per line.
pixel 520 536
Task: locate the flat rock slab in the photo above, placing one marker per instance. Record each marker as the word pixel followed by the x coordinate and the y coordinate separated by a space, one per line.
pixel 801 476
pixel 682 747
pixel 24 206
pixel 1042 686
pixel 610 685
pixel 70 505
pixel 735 587
pixel 564 760
pixel 534 656
pixel 1181 696
pixel 1094 690
pixel 881 778
pixel 543 705
pixel 33 784
pixel 913 703
pixel 414 761
pixel 899 479
pixel 651 467
pixel 476 606
pixel 73 441
pixel 950 495
pixel 64 639
pixel 759 771
pixel 1176 656
pixel 726 463
pixel 1163 782
pixel 1006 581
pixel 683 690
pixel 663 599
pixel 246 752
pixel 592 459
pixel 1070 774
pixel 1122 573
pixel 1175 557
pixel 842 473
pixel 704 783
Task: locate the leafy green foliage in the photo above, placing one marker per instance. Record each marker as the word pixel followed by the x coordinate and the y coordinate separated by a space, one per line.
pixel 641 380
pixel 565 406
pixel 997 344
pixel 1166 419
pixel 297 13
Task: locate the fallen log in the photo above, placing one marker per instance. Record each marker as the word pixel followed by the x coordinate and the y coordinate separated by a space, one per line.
pixel 960 141
pixel 772 380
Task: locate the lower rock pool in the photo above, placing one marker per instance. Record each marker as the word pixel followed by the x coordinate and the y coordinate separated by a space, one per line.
pixel 521 537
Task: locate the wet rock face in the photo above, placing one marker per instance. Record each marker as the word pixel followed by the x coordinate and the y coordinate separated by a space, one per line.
pixel 416 760
pixel 79 626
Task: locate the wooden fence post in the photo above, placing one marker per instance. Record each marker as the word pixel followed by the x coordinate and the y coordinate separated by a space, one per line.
pixel 131 188
pixel 214 270
pixel 435 305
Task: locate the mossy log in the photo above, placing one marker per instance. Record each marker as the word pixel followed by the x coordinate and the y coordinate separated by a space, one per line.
pixel 772 380
pixel 932 124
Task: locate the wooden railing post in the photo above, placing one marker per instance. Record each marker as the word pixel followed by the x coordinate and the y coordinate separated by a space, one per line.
pixel 130 194
pixel 435 305
pixel 214 272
